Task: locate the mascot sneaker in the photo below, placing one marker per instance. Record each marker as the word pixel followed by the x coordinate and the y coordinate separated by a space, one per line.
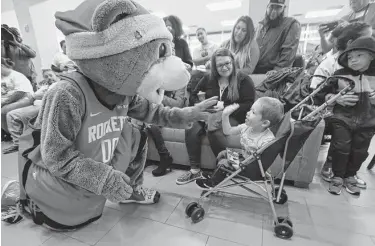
pixel 10 205
pixel 143 195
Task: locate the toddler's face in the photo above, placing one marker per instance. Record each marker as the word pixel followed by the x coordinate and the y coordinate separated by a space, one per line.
pixel 254 116
pixel 359 60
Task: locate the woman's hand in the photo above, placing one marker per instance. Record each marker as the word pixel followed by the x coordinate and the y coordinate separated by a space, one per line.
pixel 230 109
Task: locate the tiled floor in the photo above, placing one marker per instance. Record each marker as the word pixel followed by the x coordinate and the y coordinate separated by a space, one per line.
pixel 319 219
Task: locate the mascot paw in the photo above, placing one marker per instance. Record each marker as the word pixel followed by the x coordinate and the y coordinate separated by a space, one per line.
pixel 143 195
pixel 201 111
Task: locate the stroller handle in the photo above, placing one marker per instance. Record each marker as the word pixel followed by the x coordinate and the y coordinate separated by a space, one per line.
pixel 334 98
pixel 312 94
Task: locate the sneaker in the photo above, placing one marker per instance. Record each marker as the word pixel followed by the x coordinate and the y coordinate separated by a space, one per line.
pixel 360 182
pixel 143 195
pixel 10 149
pixel 10 205
pixel 351 186
pixel 336 186
pixel 188 177
pixel 327 174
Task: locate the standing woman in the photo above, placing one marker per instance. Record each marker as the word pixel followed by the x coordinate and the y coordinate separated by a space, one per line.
pixel 181 47
pixel 243 45
pixel 230 86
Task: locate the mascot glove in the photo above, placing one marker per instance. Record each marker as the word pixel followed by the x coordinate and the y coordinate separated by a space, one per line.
pixel 199 110
pixel 116 187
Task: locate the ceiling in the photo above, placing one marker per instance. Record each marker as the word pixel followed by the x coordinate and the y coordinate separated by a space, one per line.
pixel 194 12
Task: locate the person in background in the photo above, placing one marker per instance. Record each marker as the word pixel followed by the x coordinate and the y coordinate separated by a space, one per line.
pixel 171 99
pixel 181 47
pixel 341 36
pixel 361 10
pixel 17 120
pixel 243 45
pixel 19 53
pixel 278 38
pixel 16 91
pixel 203 53
pixel 61 62
pixel 231 87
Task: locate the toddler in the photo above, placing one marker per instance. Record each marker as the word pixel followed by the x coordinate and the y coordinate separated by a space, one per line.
pixel 254 133
pixel 353 119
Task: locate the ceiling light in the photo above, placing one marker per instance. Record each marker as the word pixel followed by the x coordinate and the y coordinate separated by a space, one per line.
pixel 217 6
pixel 228 22
pixel 322 13
pixel 159 14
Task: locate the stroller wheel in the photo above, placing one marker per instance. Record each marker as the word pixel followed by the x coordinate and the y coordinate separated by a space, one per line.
pixel 283 196
pixel 284 228
pixel 197 215
pixel 190 208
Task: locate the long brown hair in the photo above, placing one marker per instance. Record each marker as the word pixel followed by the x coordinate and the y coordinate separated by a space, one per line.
pixel 243 53
pixel 233 93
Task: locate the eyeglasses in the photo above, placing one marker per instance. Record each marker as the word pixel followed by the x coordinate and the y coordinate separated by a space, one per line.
pixel 227 65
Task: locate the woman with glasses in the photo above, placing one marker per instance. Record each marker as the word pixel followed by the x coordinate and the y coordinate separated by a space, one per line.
pixel 231 86
pixel 243 45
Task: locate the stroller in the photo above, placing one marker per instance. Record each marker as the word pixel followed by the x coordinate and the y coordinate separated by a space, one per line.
pixel 290 135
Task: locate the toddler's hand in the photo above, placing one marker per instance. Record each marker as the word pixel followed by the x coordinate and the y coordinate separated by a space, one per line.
pixel 230 109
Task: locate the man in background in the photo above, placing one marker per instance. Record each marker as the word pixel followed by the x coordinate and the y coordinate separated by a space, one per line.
pixel 278 39
pixel 203 53
pixel 360 10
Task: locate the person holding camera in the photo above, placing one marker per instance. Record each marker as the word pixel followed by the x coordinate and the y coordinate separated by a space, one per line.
pixel 21 54
pixel 361 10
pixel 203 53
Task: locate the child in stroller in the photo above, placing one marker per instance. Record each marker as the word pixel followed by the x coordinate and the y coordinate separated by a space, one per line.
pixel 255 133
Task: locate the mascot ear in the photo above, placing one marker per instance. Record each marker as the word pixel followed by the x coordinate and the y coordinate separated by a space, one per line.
pixel 111 11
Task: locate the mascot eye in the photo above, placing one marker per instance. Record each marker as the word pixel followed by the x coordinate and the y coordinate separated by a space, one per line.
pixel 162 50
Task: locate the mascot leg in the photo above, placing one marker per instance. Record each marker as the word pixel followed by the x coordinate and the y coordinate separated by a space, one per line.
pixel 140 194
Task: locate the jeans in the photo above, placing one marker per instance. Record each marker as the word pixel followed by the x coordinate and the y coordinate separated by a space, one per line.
pixel 18 119
pixel 349 148
pixel 23 102
pixel 193 138
pixel 155 132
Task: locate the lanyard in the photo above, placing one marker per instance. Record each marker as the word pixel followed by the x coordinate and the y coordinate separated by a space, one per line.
pixel 222 91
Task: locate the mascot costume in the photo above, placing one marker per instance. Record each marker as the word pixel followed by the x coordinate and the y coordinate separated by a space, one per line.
pixel 81 149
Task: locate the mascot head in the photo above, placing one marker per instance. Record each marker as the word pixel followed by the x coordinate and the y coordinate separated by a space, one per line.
pixel 119 45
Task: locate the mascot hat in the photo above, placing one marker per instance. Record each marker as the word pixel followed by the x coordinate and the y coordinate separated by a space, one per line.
pixel 121 46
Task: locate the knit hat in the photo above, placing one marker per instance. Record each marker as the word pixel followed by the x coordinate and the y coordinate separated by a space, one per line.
pixel 99 28
pixel 362 43
pixel 114 42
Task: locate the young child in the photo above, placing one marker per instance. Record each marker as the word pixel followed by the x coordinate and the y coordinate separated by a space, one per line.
pixel 254 133
pixel 353 119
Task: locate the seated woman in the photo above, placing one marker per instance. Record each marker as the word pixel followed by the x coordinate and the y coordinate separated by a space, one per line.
pixel 231 87
pixel 16 91
pixel 243 45
pixel 17 120
pixel 181 47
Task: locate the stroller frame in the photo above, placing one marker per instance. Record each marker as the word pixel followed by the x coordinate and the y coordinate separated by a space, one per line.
pixel 283 226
